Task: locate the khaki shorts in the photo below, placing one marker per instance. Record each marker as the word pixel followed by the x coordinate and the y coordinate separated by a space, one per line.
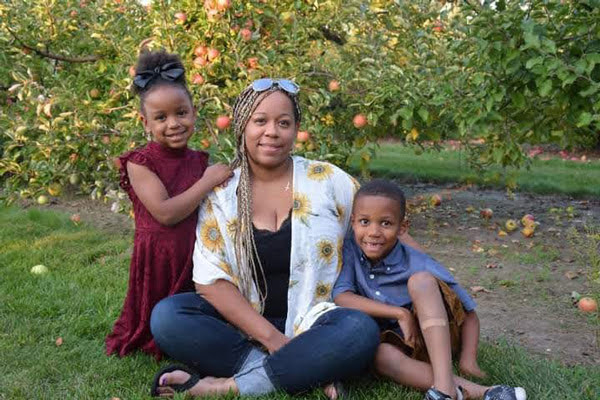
pixel 418 351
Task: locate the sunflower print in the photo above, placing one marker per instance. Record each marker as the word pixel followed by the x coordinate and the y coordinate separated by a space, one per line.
pixel 211 236
pixel 226 268
pixel 323 291
pixel 340 211
pixel 340 247
pixel 325 250
pixel 209 207
pixel 319 171
pixel 355 183
pixel 231 226
pixel 301 208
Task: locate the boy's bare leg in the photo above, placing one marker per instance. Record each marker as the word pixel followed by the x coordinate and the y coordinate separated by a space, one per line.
pixel 470 341
pixel 205 387
pixel 394 364
pixel 433 322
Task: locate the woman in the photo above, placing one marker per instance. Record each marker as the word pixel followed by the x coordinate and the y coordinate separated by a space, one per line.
pixel 267 253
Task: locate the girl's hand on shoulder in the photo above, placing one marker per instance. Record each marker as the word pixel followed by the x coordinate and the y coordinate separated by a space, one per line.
pixel 408 325
pixel 218 173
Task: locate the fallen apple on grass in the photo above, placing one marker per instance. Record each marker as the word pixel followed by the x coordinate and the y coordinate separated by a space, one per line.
pixel 510 225
pixel 528 231
pixel 435 200
pixel 587 304
pixel 527 220
pixel 39 269
pixel 486 213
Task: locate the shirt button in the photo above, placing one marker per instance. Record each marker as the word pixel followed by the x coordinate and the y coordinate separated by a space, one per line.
pixel 372 276
pixel 378 293
pixel 388 268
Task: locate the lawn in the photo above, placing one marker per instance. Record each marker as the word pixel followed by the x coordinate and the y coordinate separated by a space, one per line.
pixel 81 295
pixel 545 176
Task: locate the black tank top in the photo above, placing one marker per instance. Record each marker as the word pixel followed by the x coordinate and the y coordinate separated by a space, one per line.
pixel 274 250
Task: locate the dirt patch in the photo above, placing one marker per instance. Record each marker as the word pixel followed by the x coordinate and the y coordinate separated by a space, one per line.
pixel 525 283
pixel 527 294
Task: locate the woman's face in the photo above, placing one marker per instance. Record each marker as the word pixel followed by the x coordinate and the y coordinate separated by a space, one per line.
pixel 271 131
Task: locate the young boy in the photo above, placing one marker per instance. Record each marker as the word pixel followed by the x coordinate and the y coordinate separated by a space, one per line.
pixel 424 313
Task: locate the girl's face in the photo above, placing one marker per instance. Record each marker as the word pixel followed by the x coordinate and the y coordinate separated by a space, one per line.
pixel 271 131
pixel 169 115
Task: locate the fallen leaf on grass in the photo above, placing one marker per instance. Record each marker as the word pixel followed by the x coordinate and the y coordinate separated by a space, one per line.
pixel 492 252
pixel 491 265
pixel 477 249
pixel 571 274
pixel 59 342
pixel 479 289
pixel 452 269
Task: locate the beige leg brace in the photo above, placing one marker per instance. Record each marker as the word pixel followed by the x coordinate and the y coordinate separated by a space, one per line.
pixel 431 322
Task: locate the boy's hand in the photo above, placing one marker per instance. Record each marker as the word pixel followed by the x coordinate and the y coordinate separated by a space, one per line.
pixel 408 325
pixel 218 173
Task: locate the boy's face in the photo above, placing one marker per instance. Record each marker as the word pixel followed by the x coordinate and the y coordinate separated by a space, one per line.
pixel 376 223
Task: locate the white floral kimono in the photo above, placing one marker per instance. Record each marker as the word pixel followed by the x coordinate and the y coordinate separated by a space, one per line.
pixel 323 195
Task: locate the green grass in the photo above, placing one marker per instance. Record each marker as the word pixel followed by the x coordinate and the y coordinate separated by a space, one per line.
pixel 544 177
pixel 81 296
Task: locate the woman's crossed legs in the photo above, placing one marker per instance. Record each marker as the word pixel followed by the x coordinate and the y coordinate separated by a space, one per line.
pixel 340 344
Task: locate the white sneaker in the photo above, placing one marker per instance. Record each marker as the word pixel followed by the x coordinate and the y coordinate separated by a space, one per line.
pixel 504 392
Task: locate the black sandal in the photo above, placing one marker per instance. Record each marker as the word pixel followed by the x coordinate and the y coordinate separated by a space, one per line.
pixel 178 388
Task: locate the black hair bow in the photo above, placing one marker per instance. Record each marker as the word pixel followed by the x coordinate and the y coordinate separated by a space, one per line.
pixel 168 72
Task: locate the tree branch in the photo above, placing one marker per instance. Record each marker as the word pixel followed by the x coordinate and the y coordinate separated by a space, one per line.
pixel 52 56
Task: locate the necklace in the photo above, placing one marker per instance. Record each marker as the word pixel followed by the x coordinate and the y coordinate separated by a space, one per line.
pixel 287 187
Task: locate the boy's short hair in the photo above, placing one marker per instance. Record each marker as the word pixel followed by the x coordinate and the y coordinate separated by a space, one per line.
pixel 384 188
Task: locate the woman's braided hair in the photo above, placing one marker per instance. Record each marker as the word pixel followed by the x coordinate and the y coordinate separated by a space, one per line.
pixel 249 266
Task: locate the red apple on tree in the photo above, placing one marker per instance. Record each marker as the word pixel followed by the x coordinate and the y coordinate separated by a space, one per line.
pixel 200 62
pixel 333 85
pixel 180 17
pixel 246 34
pixel 223 122
pixel 359 121
pixel 197 79
pixel 212 54
pixel 252 63
pixel 303 136
pixel 200 51
pixel 223 5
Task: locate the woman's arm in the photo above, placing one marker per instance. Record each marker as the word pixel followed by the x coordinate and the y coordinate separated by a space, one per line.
pixel 373 308
pixel 408 240
pixel 230 303
pixel 170 210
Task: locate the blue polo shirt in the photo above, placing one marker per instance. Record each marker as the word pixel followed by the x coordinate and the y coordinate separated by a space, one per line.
pixel 387 281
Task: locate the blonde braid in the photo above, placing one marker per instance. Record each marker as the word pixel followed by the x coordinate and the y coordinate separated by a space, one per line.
pixel 249 266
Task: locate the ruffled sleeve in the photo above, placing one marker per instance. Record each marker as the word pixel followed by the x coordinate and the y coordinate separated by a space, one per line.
pixel 137 157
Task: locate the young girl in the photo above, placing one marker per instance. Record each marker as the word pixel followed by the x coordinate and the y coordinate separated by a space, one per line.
pixel 166 181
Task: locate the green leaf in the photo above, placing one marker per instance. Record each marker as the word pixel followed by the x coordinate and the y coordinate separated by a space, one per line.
pixel 424 114
pixel 589 91
pixel 545 87
pixel 585 118
pixel 533 61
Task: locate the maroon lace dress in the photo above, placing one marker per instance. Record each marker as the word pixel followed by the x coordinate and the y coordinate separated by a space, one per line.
pixel 161 263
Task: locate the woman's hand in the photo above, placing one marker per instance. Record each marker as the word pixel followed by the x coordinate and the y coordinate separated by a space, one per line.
pixel 276 342
pixel 408 325
pixel 218 173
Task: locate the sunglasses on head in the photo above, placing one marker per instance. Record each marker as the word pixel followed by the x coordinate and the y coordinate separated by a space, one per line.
pixel 260 85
